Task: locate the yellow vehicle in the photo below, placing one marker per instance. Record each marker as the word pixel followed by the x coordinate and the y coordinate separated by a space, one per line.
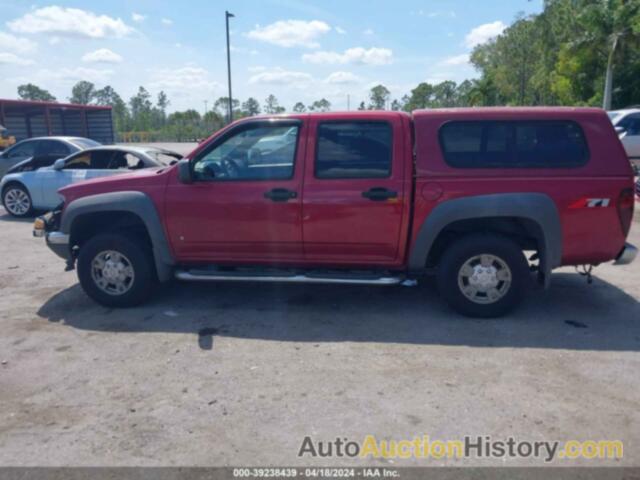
pixel 6 140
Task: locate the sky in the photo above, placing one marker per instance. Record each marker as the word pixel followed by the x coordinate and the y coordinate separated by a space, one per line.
pixel 297 50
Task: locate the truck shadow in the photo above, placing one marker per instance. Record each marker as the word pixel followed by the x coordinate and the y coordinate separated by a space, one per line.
pixel 571 315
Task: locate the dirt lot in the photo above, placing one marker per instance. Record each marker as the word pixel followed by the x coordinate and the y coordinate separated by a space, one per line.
pixel 239 374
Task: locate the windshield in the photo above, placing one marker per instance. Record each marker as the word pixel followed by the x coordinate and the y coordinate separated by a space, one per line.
pixel 613 115
pixel 164 157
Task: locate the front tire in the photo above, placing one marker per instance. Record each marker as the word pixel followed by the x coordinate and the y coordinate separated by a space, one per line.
pixel 116 270
pixel 17 201
pixel 483 276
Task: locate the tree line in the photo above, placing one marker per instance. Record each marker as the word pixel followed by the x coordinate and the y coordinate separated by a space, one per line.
pixel 145 119
pixel 575 53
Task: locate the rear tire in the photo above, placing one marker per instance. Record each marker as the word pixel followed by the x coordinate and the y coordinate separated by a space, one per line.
pixel 116 270
pixel 17 201
pixel 483 275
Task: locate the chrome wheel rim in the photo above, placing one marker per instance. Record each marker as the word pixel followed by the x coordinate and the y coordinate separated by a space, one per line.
pixel 484 279
pixel 17 201
pixel 112 272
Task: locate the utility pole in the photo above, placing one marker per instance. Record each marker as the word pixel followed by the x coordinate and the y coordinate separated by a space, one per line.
pixel 205 107
pixel 348 102
pixel 228 15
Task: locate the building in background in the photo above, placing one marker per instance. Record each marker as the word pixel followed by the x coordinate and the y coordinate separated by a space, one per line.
pixel 26 119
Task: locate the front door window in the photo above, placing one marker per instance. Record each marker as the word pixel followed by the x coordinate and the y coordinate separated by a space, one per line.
pixel 254 153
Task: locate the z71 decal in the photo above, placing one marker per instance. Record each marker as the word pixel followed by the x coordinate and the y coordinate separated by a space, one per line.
pixel 591 203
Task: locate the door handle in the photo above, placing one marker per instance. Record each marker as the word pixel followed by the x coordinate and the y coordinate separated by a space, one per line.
pixel 280 194
pixel 378 194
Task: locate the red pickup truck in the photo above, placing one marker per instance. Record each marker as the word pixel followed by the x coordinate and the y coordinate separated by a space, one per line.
pixel 486 199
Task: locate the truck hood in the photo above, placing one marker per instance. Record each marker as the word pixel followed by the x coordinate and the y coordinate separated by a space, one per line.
pixel 136 180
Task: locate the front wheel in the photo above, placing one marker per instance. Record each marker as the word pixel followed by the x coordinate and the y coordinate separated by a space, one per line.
pixel 17 201
pixel 116 270
pixel 483 275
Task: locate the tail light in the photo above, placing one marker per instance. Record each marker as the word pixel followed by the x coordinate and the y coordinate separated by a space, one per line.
pixel 625 209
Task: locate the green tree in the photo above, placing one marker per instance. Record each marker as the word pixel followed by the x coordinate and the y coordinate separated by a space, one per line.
pixel 163 103
pixel 609 26
pixel 271 105
pixel 299 107
pixel 108 96
pixel 221 105
pixel 463 94
pixel 322 105
pixel 421 97
pixel 83 93
pixel 29 91
pixel 378 97
pixel 445 94
pixel 251 107
pixel 362 106
pixel 141 106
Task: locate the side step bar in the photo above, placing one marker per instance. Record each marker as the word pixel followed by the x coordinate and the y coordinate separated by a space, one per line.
pixel 205 276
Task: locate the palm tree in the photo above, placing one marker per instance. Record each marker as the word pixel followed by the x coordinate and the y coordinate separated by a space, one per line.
pixel 607 24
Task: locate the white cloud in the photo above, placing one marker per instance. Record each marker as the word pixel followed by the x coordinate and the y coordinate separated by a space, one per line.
pixel 167 21
pixel 185 78
pixel 71 22
pixel 11 43
pixel 278 76
pixel 436 14
pixel 484 32
pixel 357 55
pixel 54 40
pixel 138 17
pixel 368 31
pixel 12 59
pixel 341 31
pixel 243 50
pixel 186 86
pixel 102 55
pixel 342 78
pixel 258 68
pixel 73 75
pixel 456 60
pixel 291 33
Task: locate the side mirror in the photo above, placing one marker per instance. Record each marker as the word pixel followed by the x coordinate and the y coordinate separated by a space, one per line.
pixel 59 164
pixel 184 172
pixel 620 130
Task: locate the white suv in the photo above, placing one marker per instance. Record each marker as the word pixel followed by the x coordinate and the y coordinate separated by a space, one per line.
pixel 627 123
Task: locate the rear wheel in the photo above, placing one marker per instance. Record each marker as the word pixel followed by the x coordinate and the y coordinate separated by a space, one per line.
pixel 116 270
pixel 483 275
pixel 17 201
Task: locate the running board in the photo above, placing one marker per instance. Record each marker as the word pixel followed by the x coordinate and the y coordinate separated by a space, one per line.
pixel 205 276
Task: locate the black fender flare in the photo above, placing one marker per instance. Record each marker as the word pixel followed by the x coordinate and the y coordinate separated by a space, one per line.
pixel 134 202
pixel 536 207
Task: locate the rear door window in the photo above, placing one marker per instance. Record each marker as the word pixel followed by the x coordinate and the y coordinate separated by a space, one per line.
pixel 353 150
pixel 53 148
pixel 23 150
pixel 521 144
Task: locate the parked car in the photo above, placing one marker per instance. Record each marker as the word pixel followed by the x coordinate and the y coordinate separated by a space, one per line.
pixel 370 198
pixel 42 151
pixel 6 139
pixel 278 140
pixel 627 124
pixel 24 192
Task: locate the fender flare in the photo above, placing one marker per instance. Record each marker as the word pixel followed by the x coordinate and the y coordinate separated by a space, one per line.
pixel 134 202
pixel 536 207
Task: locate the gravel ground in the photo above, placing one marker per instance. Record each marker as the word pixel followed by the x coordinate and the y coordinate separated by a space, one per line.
pixel 239 374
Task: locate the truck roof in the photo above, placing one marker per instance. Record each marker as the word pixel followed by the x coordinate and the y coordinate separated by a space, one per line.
pixel 469 112
pixel 479 113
